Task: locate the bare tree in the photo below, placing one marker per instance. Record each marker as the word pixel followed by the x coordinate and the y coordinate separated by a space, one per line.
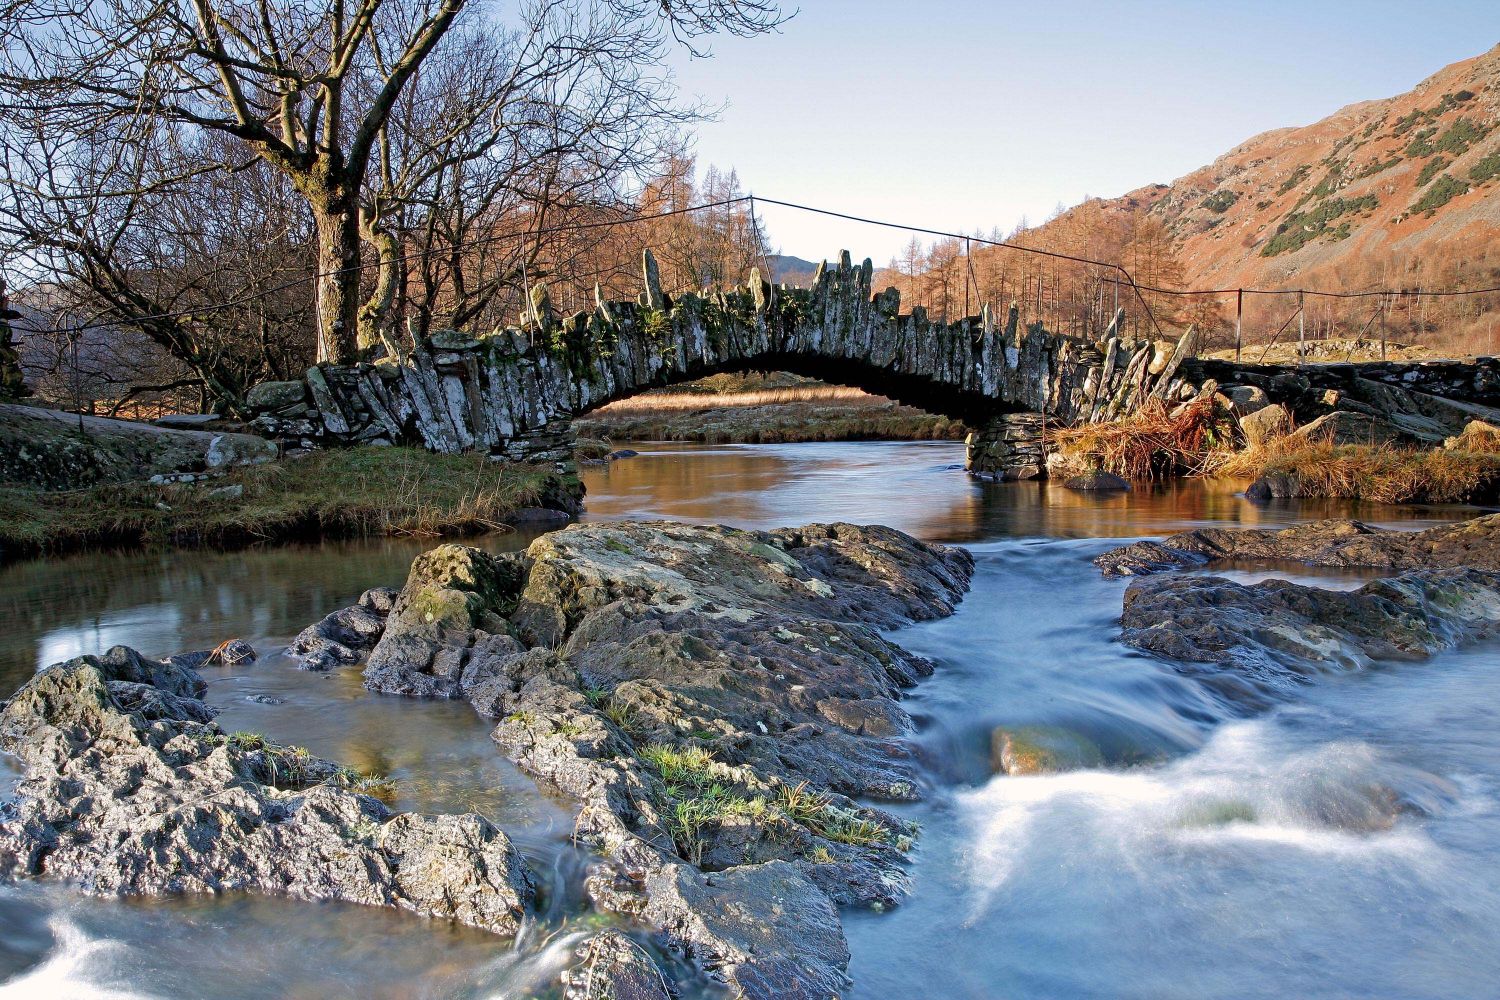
pixel 305 88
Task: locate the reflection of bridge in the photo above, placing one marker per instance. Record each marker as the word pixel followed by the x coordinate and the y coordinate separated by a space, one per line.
pixel 514 392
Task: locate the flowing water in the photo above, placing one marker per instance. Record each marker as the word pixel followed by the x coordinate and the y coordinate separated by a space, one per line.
pixel 1344 845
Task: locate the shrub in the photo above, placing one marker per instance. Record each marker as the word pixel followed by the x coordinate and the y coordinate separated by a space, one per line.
pixel 1431 169
pixel 1301 228
pixel 1442 191
pixel 1297 177
pixel 1221 201
pixel 1486 168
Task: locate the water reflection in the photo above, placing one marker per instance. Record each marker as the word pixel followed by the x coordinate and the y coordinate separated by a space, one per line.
pixel 921 488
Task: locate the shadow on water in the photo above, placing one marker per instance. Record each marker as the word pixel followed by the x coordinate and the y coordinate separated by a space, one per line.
pixel 1208 858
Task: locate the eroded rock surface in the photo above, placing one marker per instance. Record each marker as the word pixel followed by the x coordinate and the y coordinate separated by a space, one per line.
pixel 711 698
pixel 347 635
pixel 1254 644
pixel 1336 542
pixel 131 789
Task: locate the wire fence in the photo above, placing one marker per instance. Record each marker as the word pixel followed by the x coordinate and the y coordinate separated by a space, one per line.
pixel 1069 293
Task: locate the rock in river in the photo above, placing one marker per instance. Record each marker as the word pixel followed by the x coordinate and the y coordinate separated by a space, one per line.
pixel 131 789
pixel 1254 644
pixel 1337 542
pixel 712 699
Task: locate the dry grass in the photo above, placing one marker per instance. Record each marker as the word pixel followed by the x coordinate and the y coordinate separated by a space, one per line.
pixel 1152 444
pixel 777 423
pixel 336 493
pixel 672 402
pixel 1379 473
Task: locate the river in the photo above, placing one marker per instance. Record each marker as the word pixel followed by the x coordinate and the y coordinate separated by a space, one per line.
pixel 1345 845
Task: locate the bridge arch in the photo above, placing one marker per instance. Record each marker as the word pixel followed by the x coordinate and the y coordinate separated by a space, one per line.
pixel 514 393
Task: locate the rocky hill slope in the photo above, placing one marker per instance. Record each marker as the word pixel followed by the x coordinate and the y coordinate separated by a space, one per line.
pixel 1400 192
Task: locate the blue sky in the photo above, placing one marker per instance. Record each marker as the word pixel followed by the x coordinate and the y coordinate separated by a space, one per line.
pixel 959 115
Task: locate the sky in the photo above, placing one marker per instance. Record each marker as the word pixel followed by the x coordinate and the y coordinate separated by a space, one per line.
pixel 962 116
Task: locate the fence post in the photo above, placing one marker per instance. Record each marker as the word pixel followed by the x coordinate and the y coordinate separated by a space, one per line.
pixel 1383 300
pixel 1239 317
pixel 1301 327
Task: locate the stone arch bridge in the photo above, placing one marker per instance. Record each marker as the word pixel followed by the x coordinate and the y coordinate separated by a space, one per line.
pixel 514 393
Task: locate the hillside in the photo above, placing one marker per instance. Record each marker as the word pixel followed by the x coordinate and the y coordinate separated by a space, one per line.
pixel 1402 192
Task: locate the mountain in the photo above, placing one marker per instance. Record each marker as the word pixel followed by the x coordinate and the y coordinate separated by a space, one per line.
pixel 787 270
pixel 1400 192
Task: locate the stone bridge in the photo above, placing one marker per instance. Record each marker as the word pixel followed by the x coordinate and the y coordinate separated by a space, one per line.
pixel 513 393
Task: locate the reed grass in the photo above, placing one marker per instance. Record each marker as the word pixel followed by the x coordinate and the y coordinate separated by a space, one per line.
pixel 1155 443
pixel 1468 472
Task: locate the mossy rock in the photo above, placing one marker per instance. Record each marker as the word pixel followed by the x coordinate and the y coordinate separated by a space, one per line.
pixel 1041 750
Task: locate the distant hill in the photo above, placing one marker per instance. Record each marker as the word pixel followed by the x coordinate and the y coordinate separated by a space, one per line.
pixel 1402 192
pixel 787 270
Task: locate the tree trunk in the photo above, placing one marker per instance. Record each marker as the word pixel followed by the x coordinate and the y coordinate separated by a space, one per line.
pixel 338 279
pixel 375 314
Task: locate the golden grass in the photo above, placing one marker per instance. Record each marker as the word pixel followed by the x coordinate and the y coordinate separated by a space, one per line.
pixel 776 423
pixel 335 493
pixel 1379 473
pixel 671 402
pixel 1151 444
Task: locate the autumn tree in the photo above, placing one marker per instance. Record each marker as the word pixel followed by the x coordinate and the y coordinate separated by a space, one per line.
pixel 307 89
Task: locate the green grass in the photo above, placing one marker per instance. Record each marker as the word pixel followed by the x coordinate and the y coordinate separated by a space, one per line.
pixel 336 493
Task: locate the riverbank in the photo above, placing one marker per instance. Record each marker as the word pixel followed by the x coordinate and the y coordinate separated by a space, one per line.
pixel 344 493
pixel 775 409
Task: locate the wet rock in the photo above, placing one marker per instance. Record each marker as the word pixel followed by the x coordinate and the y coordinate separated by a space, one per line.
pixel 265 699
pixel 131 789
pixel 618 454
pixel 1274 486
pixel 1336 542
pixel 1254 644
pixel 537 517
pixel 453 596
pixel 773 934
pixel 1097 480
pixel 344 636
pixel 713 699
pixel 231 653
pixel 1041 750
pixel 613 967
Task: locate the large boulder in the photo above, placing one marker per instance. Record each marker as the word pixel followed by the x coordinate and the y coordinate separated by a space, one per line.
pixel 1264 424
pixel 453 597
pixel 272 396
pixel 131 789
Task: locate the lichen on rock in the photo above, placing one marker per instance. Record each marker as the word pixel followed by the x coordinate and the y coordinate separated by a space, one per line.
pixel 130 788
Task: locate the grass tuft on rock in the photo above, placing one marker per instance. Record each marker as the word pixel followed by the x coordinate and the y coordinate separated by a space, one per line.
pixel 339 493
